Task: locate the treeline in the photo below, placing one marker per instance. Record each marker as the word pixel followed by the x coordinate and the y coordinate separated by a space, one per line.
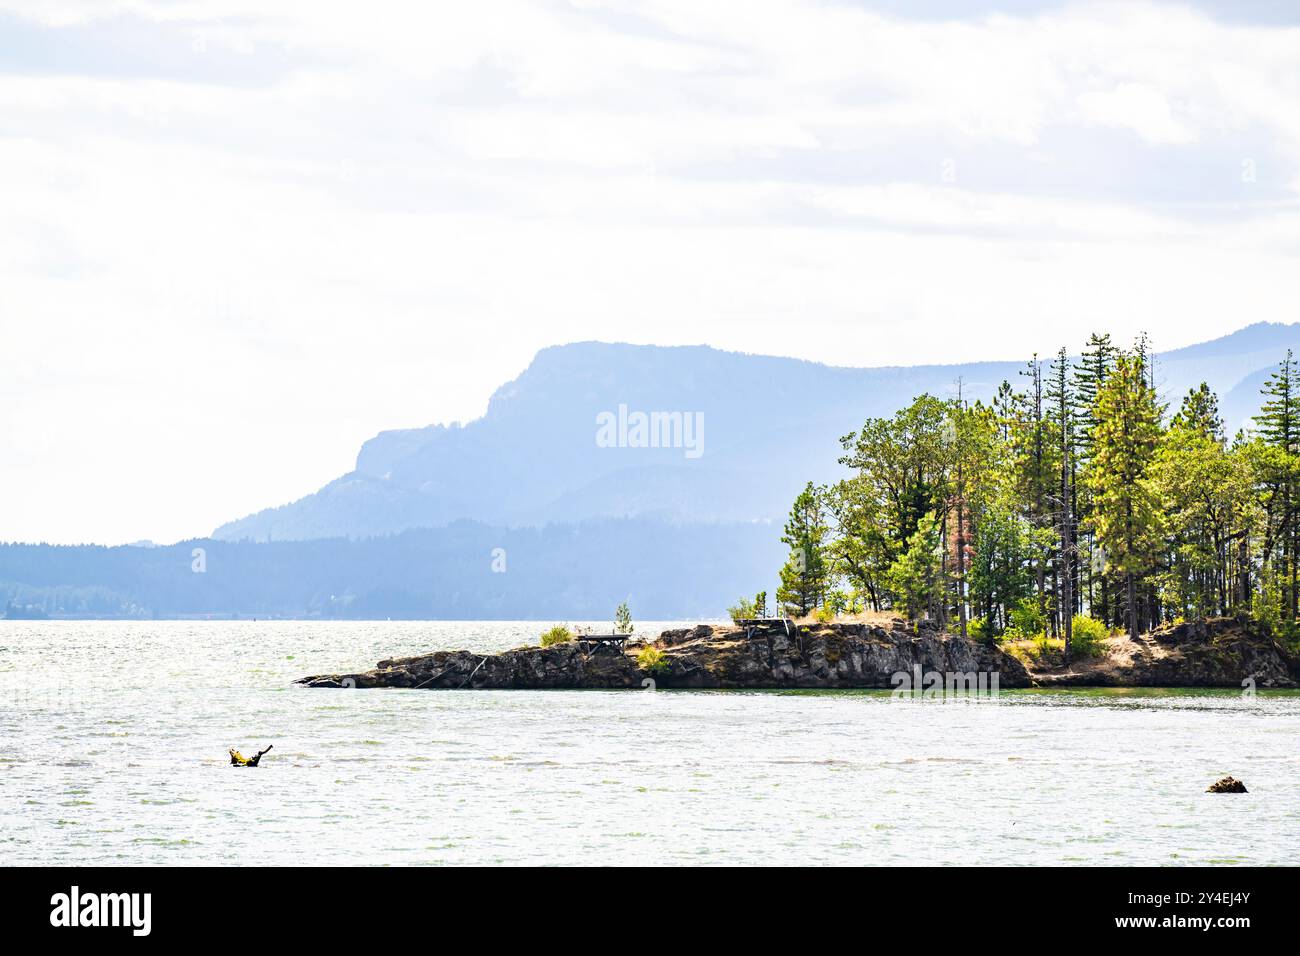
pixel 1076 492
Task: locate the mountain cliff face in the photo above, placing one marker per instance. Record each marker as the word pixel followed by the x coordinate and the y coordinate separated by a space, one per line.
pixel 763 426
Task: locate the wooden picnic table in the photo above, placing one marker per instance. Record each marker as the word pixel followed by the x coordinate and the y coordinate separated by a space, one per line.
pixel 613 640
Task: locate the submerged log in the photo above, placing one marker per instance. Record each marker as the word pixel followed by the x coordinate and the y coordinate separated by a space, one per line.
pixel 239 760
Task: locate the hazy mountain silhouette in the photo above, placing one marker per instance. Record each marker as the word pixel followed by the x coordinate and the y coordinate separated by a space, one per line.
pixel 769 425
pixel 464 570
pixel 577 527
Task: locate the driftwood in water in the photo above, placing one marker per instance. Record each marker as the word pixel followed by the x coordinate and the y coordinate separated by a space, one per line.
pixel 239 760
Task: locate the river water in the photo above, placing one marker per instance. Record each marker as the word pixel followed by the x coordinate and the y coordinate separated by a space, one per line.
pixel 114 739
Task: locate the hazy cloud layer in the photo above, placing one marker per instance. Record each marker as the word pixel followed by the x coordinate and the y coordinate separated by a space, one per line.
pixel 236 239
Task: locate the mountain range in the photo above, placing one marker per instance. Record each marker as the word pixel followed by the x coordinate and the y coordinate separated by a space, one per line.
pixel 556 504
pixel 766 424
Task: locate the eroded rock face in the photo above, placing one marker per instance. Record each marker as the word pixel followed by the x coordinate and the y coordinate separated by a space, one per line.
pixel 558 666
pixel 1220 652
pixel 830 655
pixel 820 656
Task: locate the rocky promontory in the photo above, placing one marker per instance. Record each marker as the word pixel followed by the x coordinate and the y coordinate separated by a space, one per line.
pixel 773 655
pixel 1219 652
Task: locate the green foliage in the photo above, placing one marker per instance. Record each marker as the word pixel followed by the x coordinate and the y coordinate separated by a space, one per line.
pixel 742 610
pixel 1206 491
pixel 805 575
pixel 914 578
pixel 1279 483
pixel 1269 612
pixel 840 601
pixel 1026 620
pixel 902 465
pixel 1001 565
pixel 1087 637
pixel 1126 513
pixel 1069 498
pixel 1199 415
pixel 825 615
pixel 1095 362
pixel 559 634
pixel 652 660
pixel 1278 420
pixel 623 620
pixel 902 468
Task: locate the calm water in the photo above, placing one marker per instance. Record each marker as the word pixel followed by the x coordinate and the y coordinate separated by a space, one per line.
pixel 113 740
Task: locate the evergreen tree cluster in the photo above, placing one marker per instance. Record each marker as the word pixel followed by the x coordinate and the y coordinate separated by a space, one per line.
pixel 1073 493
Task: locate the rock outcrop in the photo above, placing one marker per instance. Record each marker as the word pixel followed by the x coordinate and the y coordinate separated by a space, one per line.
pixel 839 655
pixel 1227 785
pixel 1216 653
pixel 1220 652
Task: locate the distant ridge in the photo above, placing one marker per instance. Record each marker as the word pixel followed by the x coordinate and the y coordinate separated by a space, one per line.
pixel 769 424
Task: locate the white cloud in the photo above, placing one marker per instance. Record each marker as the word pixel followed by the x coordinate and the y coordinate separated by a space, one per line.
pixel 1140 108
pixel 237 245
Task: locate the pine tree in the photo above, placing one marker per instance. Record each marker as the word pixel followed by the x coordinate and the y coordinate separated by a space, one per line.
pixel 860 549
pixel 971 510
pixel 1000 563
pixel 623 619
pixel 1061 399
pixel 1125 515
pixel 804 577
pixel 1279 426
pixel 1095 363
pixel 916 578
pixel 1204 492
pixel 1035 471
pixel 1199 414
pixel 958 504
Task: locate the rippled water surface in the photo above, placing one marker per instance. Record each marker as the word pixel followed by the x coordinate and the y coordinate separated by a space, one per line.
pixel 113 740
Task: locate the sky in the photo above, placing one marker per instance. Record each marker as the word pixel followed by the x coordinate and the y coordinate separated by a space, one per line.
pixel 239 238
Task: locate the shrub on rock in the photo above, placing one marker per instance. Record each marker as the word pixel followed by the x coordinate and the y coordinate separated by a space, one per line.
pixel 652 660
pixel 559 634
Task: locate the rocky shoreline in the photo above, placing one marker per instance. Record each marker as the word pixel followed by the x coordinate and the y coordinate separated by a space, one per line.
pixel 840 655
pixel 1220 652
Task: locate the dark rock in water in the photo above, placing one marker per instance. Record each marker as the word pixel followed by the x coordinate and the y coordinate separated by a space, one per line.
pixel 1227 785
pixel 839 655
